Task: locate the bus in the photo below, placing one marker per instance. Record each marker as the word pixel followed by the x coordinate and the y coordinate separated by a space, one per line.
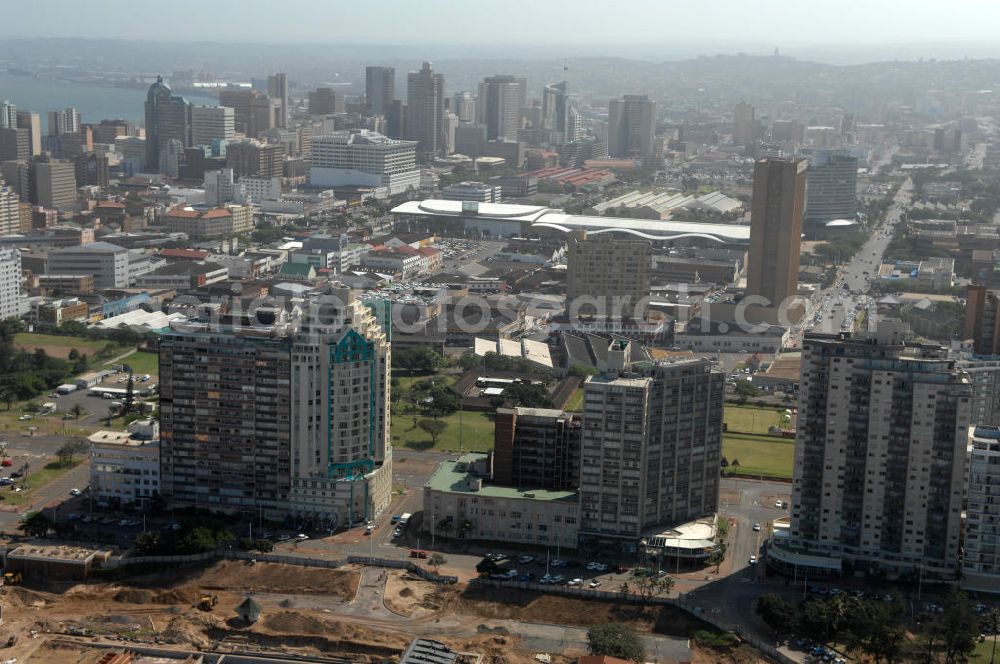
pixel 403 520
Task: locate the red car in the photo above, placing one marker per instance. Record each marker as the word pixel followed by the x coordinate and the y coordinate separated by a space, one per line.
pixel 6 463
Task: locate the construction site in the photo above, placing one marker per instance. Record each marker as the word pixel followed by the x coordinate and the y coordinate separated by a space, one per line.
pixel 350 614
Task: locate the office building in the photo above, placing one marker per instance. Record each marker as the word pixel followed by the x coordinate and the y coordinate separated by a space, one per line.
pixel 54 184
pixel 607 278
pixel 250 157
pixel 981 557
pixel 168 118
pixel 253 112
pixel 425 109
pixel 744 125
pixel 880 453
pixel 395 120
pixel 536 448
pixel 91 170
pixel 380 89
pixel 831 188
pixel 501 99
pixel 108 131
pixel 558 114
pixel 15 144
pixel 209 224
pixel 776 229
pixel 108 263
pixel 362 158
pixel 652 445
pixel 212 123
pixel 33 123
pixel 788 131
pixel 463 104
pixel 66 121
pixel 8 114
pixel 13 303
pixel 311 441
pixel 324 101
pixel 982 320
pixel 631 126
pixel 277 88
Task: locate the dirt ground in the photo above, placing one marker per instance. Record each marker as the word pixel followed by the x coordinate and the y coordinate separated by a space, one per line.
pixel 739 655
pixel 412 597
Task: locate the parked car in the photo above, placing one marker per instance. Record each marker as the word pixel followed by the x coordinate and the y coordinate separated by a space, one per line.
pixel 756 527
pixel 524 560
pixel 74 492
pixel 575 582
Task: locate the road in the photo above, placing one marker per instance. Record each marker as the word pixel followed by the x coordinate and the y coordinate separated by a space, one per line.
pixel 838 306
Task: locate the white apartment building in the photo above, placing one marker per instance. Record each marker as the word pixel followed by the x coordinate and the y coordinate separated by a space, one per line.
pixel 125 465
pixel 107 262
pixel 212 123
pixel 393 262
pixel 652 445
pixel 363 158
pixel 255 190
pixel 10 211
pixel 880 453
pixel 981 559
pixel 220 186
pixel 13 302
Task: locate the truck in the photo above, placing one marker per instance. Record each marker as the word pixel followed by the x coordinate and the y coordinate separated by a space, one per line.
pixel 404 519
pixel 66 388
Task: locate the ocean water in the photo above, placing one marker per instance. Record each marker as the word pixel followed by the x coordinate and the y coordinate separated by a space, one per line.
pixel 95 103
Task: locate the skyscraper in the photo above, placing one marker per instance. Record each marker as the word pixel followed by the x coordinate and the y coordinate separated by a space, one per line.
pixel 212 123
pixel 311 441
pixel 652 444
pixel 168 118
pixel 631 126
pixel 880 452
pixel 424 109
pixel 15 144
pixel 8 114
pixel 10 211
pixel 831 187
pixel 66 121
pixel 12 301
pixel 277 88
pixel 776 229
pixel 54 184
pixel 602 272
pixel 501 99
pixel 558 113
pixel 463 104
pixel 380 89
pixel 33 123
pixel 253 112
pixel 982 320
pixel 744 124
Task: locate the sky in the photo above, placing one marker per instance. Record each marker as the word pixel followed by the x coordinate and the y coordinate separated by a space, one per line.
pixel 603 23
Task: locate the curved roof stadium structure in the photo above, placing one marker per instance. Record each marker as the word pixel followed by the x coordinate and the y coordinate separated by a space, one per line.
pixel 505 219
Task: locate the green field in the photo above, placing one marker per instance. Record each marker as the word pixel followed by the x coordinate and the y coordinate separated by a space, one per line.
pixel 575 402
pixel 37 479
pixel 58 346
pixel 142 363
pixel 760 455
pixel 476 429
pixel 747 419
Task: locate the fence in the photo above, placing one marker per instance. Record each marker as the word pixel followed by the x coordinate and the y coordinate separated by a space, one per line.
pixel 395 563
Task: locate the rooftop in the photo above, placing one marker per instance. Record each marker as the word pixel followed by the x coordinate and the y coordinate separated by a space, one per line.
pixel 458 477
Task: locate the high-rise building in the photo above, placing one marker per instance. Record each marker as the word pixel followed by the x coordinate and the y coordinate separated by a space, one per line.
pixel 984 374
pixel 168 118
pixel 609 278
pixel 537 448
pixel 54 184
pixel 558 113
pixel 250 157
pixel 15 144
pixel 424 109
pixel 363 158
pixel 253 112
pixel 91 170
pixel 880 452
pixel 310 442
pixel 108 131
pixel 395 120
pixel 66 121
pixel 10 211
pixel 33 123
pixel 652 445
pixel 788 131
pixel 501 99
pixel 744 124
pixel 831 187
pixel 980 556
pixel 212 123
pixel 631 126
pixel 380 89
pixel 8 114
pixel 982 320
pixel 463 104
pixel 776 229
pixel 13 303
pixel 277 88
pixel 323 101
pixel 108 263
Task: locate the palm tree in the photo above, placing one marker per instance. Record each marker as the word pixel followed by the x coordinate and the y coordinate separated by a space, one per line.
pixel 993 621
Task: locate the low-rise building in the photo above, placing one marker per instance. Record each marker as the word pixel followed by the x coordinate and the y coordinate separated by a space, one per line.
pixel 704 336
pixel 394 262
pixel 183 275
pixel 460 503
pixel 125 465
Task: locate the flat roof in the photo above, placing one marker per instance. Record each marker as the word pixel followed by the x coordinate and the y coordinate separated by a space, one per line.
pixel 449 478
pixel 543 217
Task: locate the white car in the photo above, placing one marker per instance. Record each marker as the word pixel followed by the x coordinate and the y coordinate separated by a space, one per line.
pixel 302 537
pixel 575 582
pixel 74 492
pixel 595 584
pixel 753 560
pixel 756 527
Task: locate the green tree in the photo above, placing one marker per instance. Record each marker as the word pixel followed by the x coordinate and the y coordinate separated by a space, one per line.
pixel 652 585
pixel 71 448
pixel 73 354
pixel 718 556
pixel 775 612
pixel 417 360
pixel 35 524
pixel 77 411
pixel 957 628
pixel 433 428
pixel 435 561
pixel 992 621
pixel 129 400
pixel 616 640
pixel 528 395
pixel 876 630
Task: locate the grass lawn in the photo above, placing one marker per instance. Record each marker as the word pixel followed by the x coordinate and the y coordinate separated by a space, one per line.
pixel 58 346
pixel 142 363
pixel 983 651
pixel 38 478
pixel 760 455
pixel 406 382
pixel 748 419
pixel 477 433
pixel 575 402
